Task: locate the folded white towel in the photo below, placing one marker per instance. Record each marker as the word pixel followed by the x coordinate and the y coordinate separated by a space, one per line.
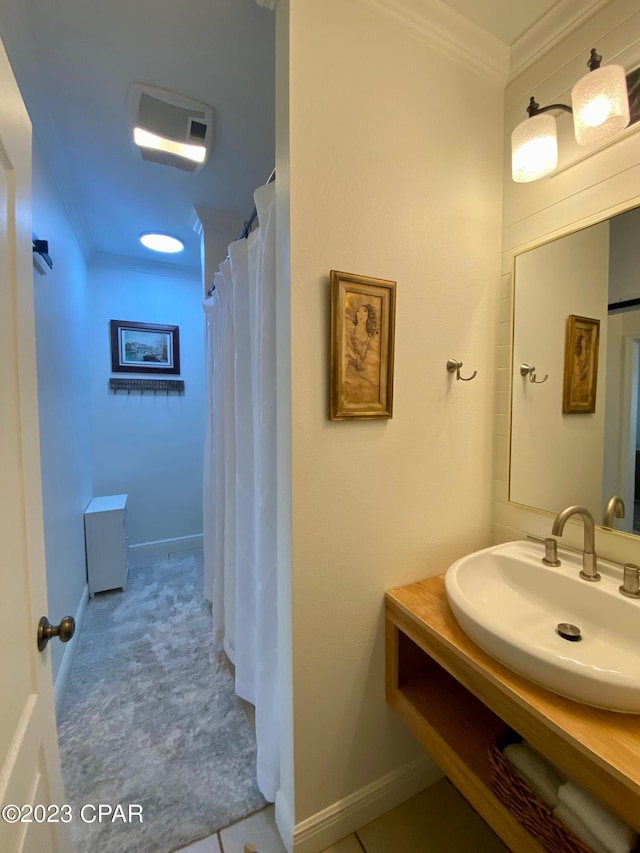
pixel 612 832
pixel 572 822
pixel 541 776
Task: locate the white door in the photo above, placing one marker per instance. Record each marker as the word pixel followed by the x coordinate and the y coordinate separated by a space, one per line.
pixel 29 760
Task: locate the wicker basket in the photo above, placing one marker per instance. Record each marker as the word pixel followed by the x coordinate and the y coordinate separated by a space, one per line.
pixel 526 807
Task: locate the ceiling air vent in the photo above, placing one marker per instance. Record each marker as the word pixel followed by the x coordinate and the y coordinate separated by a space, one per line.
pixel 169 128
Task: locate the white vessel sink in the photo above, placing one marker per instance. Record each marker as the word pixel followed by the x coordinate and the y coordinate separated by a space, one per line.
pixel 510 604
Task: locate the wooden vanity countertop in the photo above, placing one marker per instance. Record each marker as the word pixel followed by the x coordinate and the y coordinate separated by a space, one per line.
pixel 598 748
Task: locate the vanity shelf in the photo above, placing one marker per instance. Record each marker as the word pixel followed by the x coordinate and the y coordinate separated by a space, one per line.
pixel 456 700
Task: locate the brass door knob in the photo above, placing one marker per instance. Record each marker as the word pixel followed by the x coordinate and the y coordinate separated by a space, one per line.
pixel 65 631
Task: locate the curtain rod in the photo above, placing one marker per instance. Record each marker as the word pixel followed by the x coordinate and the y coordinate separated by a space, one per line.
pixel 246 228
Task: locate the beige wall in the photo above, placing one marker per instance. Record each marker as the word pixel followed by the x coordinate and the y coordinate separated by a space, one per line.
pixel 395 152
pixel 590 185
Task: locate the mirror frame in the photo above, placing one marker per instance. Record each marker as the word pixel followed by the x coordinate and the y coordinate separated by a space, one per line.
pixel 603 216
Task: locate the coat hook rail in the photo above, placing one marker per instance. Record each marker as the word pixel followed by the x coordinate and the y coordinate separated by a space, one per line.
pixel 530 370
pixel 454 366
pixel 134 384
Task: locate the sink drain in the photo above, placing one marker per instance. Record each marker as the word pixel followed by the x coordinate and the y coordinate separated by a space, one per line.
pixel 569 632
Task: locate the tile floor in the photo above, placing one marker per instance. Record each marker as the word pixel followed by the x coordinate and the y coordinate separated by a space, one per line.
pixel 438 820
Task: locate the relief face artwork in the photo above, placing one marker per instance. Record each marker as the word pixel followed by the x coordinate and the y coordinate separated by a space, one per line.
pixel 361 347
pixel 362 339
pixel 581 365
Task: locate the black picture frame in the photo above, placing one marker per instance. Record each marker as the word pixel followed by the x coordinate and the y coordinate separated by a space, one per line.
pixel 144 348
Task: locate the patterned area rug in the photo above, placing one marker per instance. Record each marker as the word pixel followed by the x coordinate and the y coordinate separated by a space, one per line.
pixel 150 718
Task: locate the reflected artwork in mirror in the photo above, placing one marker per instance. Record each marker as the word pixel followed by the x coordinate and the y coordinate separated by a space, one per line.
pixel 557 458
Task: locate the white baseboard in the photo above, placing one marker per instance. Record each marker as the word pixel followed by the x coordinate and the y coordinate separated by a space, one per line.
pixel 62 677
pixel 146 553
pixel 344 817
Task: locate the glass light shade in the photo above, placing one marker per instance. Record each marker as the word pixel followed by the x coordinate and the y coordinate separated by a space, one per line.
pixel 161 243
pixel 600 104
pixel 534 148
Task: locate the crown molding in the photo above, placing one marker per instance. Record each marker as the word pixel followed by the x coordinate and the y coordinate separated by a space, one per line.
pixel 103 260
pixel 451 34
pixel 552 28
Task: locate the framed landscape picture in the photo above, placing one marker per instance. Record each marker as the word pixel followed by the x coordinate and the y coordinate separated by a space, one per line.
pixel 144 348
pixel 362 345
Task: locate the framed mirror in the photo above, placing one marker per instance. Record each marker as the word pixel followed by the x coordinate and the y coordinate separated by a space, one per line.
pixel 576 324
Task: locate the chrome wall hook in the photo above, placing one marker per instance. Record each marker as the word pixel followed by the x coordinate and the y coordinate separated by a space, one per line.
pixel 453 366
pixel 530 369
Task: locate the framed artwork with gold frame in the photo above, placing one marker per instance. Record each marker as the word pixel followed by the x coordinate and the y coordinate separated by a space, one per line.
pixel 580 365
pixel 363 312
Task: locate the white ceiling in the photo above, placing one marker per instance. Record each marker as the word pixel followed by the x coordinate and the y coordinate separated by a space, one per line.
pixel 74 60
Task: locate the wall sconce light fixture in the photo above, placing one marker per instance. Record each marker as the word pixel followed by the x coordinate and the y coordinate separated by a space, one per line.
pixel 600 108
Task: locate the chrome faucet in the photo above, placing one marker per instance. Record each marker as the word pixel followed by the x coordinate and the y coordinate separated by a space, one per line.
pixel 615 507
pixel 589 561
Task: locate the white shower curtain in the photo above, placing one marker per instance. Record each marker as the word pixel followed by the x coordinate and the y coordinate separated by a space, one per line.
pixel 219 463
pixel 240 475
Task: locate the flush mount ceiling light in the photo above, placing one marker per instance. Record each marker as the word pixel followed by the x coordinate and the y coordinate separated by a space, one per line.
pixel 600 108
pixel 169 128
pixel 161 243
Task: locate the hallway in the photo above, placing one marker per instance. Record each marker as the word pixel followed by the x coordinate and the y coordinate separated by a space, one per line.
pixel 150 716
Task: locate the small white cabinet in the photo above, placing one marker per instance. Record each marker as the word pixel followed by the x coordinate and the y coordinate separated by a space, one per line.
pixel 106 541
